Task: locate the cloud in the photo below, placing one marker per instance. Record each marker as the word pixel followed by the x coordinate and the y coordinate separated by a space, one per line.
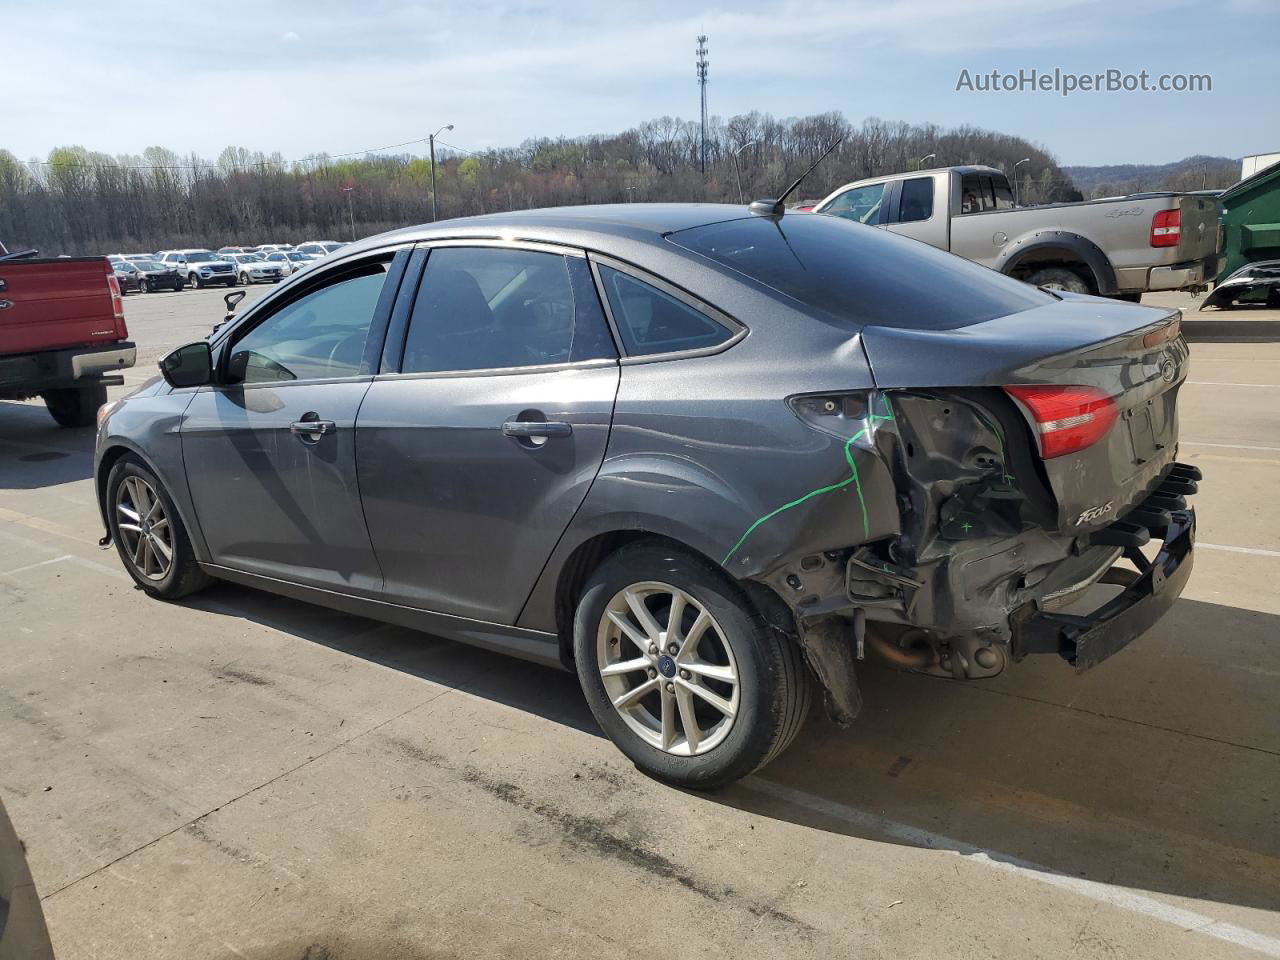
pixel 504 70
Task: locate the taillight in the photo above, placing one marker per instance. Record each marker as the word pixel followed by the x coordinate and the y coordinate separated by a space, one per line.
pixel 1067 418
pixel 117 303
pixel 1166 228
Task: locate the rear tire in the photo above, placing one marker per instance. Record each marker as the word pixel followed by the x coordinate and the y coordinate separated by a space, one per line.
pixel 1058 278
pixel 749 719
pixel 75 406
pixel 132 494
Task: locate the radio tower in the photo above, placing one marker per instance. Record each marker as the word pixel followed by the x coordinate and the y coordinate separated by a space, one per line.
pixel 703 63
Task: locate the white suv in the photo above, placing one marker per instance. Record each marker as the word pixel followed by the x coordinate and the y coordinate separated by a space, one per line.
pixel 202 267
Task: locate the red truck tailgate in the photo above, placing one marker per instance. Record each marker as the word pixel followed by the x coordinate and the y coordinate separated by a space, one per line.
pixel 52 304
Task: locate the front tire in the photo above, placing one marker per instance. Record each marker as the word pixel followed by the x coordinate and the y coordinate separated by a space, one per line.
pixel 194 282
pixel 75 406
pixel 244 279
pixel 698 699
pixel 148 533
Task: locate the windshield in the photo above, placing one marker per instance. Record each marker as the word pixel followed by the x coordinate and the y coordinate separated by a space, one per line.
pixel 200 257
pixel 297 256
pixel 148 265
pixel 330 247
pixel 859 274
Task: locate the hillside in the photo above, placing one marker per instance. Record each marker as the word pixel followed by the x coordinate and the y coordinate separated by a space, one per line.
pixel 1192 173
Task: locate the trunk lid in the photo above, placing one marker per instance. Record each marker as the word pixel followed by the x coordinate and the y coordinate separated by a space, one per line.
pixel 1199 235
pixel 1135 355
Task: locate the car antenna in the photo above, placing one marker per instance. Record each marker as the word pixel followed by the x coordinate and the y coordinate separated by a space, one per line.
pixel 770 207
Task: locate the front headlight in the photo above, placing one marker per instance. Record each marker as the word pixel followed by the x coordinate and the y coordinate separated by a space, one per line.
pixel 106 410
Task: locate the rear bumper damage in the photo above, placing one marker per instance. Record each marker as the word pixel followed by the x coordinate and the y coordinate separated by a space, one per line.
pixel 1149 590
pixel 994 601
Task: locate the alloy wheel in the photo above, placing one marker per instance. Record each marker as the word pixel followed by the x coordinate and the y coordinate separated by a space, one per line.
pixel 668 669
pixel 144 528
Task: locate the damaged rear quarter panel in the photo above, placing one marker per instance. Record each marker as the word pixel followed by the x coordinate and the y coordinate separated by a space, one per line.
pixel 707 480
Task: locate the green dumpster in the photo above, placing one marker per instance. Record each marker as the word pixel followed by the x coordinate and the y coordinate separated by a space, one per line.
pixel 1251 221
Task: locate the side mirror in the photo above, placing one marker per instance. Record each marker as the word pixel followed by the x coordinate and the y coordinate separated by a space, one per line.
pixel 189 366
pixel 231 299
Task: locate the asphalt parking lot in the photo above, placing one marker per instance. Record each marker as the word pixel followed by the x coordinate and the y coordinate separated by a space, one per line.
pixel 241 775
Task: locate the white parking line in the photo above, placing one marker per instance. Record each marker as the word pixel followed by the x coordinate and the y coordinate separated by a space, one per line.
pixel 1252 551
pixel 32 566
pixel 1216 383
pixel 115 573
pixel 1228 446
pixel 1121 897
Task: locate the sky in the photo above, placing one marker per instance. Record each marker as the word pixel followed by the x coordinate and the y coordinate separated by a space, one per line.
pixel 319 76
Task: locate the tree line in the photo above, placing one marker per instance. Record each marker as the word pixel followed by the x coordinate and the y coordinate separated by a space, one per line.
pixel 77 201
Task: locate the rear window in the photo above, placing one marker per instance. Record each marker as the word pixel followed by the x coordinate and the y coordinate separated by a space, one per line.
pixel 861 275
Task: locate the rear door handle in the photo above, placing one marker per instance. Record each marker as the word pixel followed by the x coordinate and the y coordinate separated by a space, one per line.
pixel 312 429
pixel 537 428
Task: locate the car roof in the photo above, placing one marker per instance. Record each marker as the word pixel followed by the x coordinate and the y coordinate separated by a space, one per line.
pixel 600 227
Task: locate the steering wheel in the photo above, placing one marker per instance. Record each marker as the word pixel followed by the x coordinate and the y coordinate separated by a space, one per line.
pixel 354 339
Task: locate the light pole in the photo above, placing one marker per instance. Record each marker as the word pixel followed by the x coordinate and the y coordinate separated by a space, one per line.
pixel 432 141
pixel 1016 201
pixel 350 211
pixel 928 156
pixel 737 169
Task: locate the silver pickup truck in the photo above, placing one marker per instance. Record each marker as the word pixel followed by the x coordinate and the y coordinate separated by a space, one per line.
pixel 1117 247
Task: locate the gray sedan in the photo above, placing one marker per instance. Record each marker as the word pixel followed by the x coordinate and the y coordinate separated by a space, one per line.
pixel 707 458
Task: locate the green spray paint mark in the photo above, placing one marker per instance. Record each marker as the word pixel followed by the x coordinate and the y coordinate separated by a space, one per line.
pixel 851 479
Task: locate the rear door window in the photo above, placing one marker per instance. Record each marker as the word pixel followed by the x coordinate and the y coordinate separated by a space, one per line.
pixel 488 308
pixel 1004 196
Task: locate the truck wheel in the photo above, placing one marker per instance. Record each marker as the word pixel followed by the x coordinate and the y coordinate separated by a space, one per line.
pixel 682 672
pixel 75 406
pixel 1058 278
pixel 148 533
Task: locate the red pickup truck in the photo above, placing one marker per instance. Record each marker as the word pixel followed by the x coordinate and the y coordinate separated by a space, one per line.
pixel 62 333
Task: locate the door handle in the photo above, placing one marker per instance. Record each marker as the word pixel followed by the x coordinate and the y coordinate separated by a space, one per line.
pixel 312 429
pixel 537 428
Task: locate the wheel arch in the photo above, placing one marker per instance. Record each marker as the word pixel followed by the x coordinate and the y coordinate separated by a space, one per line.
pixel 584 558
pixel 1059 248
pixel 116 449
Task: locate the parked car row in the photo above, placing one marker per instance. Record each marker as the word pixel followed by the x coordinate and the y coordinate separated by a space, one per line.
pixel 229 266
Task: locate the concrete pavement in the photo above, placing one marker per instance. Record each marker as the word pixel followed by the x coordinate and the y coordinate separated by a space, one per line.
pixel 241 775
